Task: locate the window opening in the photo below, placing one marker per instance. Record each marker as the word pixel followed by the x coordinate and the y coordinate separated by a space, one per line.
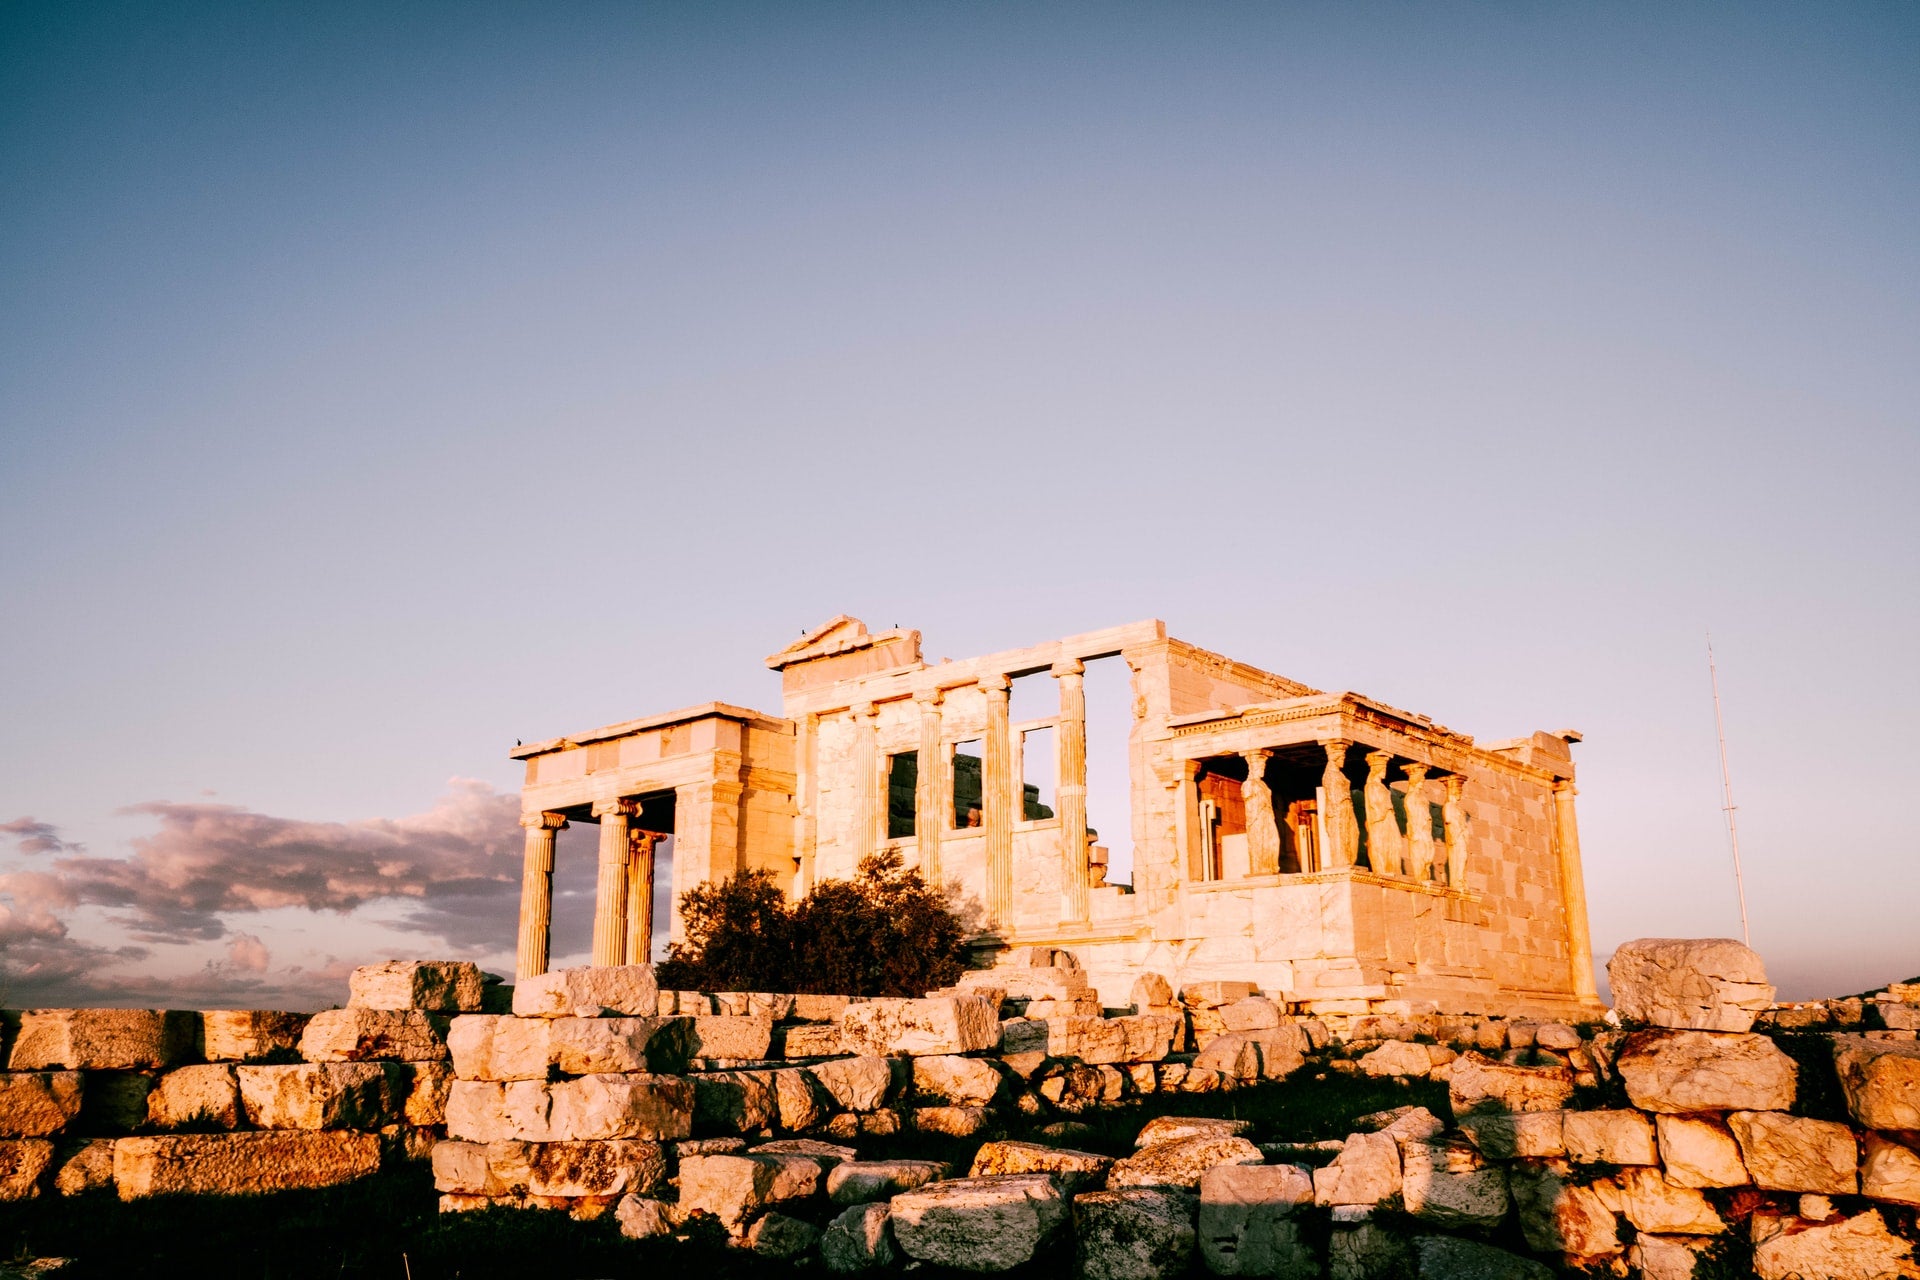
pixel 968 766
pixel 1039 774
pixel 903 793
pixel 1109 689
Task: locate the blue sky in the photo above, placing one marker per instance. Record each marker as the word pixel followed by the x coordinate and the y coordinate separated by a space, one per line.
pixel 382 384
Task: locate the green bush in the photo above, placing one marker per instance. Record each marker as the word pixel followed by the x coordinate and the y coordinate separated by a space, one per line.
pixel 882 933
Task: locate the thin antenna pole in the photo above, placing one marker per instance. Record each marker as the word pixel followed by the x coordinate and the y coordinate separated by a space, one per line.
pixel 1726 793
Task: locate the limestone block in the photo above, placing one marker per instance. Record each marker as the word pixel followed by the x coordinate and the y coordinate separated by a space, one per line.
pixel 1666 1257
pixel 1654 1203
pixel 1283 1050
pixel 808 1040
pixel 1900 1017
pixel 742 1101
pixel 860 1181
pixel 1375 1027
pixel 102 1039
pixel 740 1038
pixel 434 986
pixel 915 1028
pixel 1842 1248
pixel 1251 1221
pixel 590 992
pixel 321 1095
pixel 1556 1035
pixel 978 1224
pixel 1503 1135
pixel 241 1163
pixel 1366 1171
pixel 34 1104
pixel 965 1082
pixel 595 1168
pixel 88 1167
pixel 370 1035
pixel 426 1096
pixel 731 1188
pixel 1889 1171
pixel 1450 1258
pixel 1181 1161
pixel 1363 1250
pixel 1031 984
pixel 1881 1079
pixel 1232 1055
pixel 1150 991
pixel 23 1161
pixel 1397 1058
pixel 1150 1037
pixel 1699 984
pixel 782 1238
pixel 113 1101
pixel 819 1008
pixel 486 1046
pixel 208 1094
pixel 463 1168
pixel 476 1111
pixel 1683 1072
pixel 594 1046
pixel 1444 1181
pixel 1481 1085
pixel 1093 1040
pixel 1174 1128
pixel 654 1107
pixel 1404 1124
pixel 1135 1233
pixel 1022 1035
pixel 641 1218
pixel 1609 1137
pixel 955 1122
pixel 1699 1151
pixel 798 1100
pixel 861 1239
pixel 1792 1153
pixel 1557 1216
pixel 1211 995
pixel 1073 1170
pixel 1087 1006
pixel 856 1084
pixel 1255 1013
pixel 249 1035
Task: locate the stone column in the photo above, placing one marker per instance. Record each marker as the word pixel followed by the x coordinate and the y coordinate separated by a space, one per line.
pixel 1419 824
pixel 927 811
pixel 1454 815
pixel 996 805
pixel 1189 834
pixel 640 897
pixel 1076 879
pixel 536 892
pixel 610 905
pixel 1337 817
pixel 1263 831
pixel 1573 891
pixel 1386 852
pixel 866 759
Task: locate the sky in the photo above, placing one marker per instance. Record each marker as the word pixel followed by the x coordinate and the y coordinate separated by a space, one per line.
pixel 382 384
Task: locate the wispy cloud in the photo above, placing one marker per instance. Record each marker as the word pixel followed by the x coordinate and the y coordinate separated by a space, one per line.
pixel 34 836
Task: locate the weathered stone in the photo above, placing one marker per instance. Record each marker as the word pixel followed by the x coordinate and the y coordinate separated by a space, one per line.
pixel 1444 1181
pixel 1211 995
pixel 1889 1171
pixel 742 1101
pixel 321 1095
pixel 369 1035
pixel 1150 991
pixel 427 1086
pixel 241 1163
pixel 1255 1013
pixel 1698 984
pixel 595 1168
pixel 23 1161
pixel 642 1218
pixel 808 1040
pixel 731 1188
pixel 207 1094
pixel 1478 1084
pixel 592 1046
pixel 500 1047
pixel 1881 1079
pixel 808 1008
pixel 102 1039
pixel 799 1101
pixel 1666 1257
pixel 1556 1035
pixel 465 1168
pixel 741 1039
pixel 1251 1221
pixel 1654 1203
pixel 1283 1050
pixel 861 1239
pixel 1023 1035
pixel 1150 1037
pixel 978 1224
pixel 1609 1137
pixel 1403 1124
pixel 1557 1216
pixel 434 986
pixel 1699 1151
pixel 782 1238
pixel 966 1082
pixel 1232 1054
pixel 1793 1153
pixel 1684 1072
pixel 1073 1170
pixel 34 1104
pixel 856 1084
pixel 88 1167
pixel 1135 1233
pixel 1397 1058
pixel 654 1107
pixel 1363 1250
pixel 1092 1040
pixel 113 1102
pixel 249 1035
pixel 590 992
pixel 955 1122
pixel 859 1181
pixel 1842 1248
pixel 1181 1162
pixel 916 1028
pixel 1448 1258
pixel 1174 1128
pixel 1503 1135
pixel 1366 1171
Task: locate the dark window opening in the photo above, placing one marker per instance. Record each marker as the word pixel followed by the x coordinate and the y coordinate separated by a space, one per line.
pixel 903 793
pixel 967 772
pixel 1039 763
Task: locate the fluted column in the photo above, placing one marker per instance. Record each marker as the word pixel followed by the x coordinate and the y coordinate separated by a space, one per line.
pixel 1454 814
pixel 610 904
pixel 536 893
pixel 927 821
pixel 996 804
pixel 1189 835
pixel 1573 891
pixel 866 759
pixel 1385 850
pixel 1076 878
pixel 640 897
pixel 1419 824
pixel 1342 827
pixel 1263 830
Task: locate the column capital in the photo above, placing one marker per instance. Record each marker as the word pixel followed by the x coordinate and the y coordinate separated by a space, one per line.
pixel 929 699
pixel 1454 783
pixel 1257 755
pixel 621 806
pixel 862 711
pixel 1336 748
pixel 1415 771
pixel 1379 760
pixel 1565 787
pixel 991 685
pixel 1068 667
pixel 544 821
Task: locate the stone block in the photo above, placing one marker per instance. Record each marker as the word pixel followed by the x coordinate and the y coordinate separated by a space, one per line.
pixel 241 1163
pixel 856 1084
pixel 627 990
pixel 1654 1203
pixel 1255 1013
pixel 594 1046
pixel 1697 984
pixel 742 1101
pixel 1859 1247
pixel 1666 1257
pixel 1212 995
pixel 1073 1170
pixel 782 1238
pixel 825 1154
pixel 1134 1233
pixel 206 1094
pixel 1881 1079
pixel 1450 1258
pixel 1181 1162
pixel 374 1035
pixel 1556 1035
pixel 114 1101
pixel 1609 1137
pixel 1480 1085
pixel 597 1107
pixel 1397 1058
pixel 485 1046
pixel 861 1239
pixel 642 1218
pixel 799 1100
pixel 1793 1153
pixel 595 1168
pixel 476 1111
pixel 1251 1221
pixel 916 1028
pixel 861 1181
pixel 1366 1172
pixel 434 986
pixel 979 1224
pixel 735 1188
pixel 1443 1181
pixel 1093 1040
pixel 1699 1151
pixel 807 1040
pixel 426 1093
pixel 955 1122
pixel 1685 1072
pixel 819 1008
pixel 87 1167
pixel 1889 1171
pixel 102 1039
pixel 964 1082
pixel 1150 991
pixel 1174 1128
pixel 463 1168
pixel 740 1038
pixel 34 1104
pixel 1507 1135
pixel 321 1095
pixel 250 1035
pixel 1150 1037
pixel 1560 1216
pixel 23 1162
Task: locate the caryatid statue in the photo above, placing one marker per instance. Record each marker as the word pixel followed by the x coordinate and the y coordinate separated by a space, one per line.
pixel 1263 832
pixel 1419 824
pixel 1343 831
pixel 1386 851
pixel 1453 813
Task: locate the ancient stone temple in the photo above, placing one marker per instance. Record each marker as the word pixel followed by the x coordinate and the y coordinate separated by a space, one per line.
pixel 1338 852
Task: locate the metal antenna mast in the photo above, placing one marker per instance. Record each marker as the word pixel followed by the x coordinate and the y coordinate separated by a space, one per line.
pixel 1726 793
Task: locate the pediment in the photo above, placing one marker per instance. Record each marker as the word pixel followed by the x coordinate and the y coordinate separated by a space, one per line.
pixel 838 635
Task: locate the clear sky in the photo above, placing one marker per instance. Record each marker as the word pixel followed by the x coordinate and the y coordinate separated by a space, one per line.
pixel 383 383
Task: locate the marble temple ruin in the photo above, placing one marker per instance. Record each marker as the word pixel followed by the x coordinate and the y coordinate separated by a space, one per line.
pixel 1347 855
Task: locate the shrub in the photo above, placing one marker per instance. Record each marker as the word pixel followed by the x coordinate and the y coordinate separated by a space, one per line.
pixel 882 933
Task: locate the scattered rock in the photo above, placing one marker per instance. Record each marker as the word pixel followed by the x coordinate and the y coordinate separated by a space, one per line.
pixel 1699 984
pixel 1847 1248
pixel 979 1224
pixel 1134 1233
pixel 1181 1162
pixel 1251 1221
